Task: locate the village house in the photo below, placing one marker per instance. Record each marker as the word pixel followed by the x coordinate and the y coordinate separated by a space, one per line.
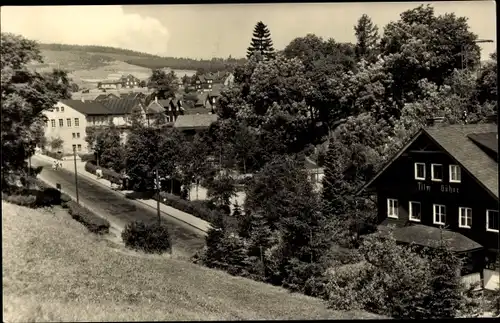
pixel 125 81
pixel 170 108
pixel 443 184
pixel 110 84
pixel 70 119
pixel 129 81
pixel 203 83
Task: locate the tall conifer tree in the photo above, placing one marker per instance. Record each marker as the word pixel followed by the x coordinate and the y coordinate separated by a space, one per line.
pixel 261 42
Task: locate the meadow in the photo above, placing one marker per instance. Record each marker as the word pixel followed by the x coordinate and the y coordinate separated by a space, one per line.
pixel 55 270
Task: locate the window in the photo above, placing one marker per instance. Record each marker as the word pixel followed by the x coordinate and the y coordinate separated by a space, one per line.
pixel 465 217
pixel 415 211
pixel 61 123
pixel 392 208
pixel 77 135
pixel 455 176
pixel 420 171
pixel 168 118
pixel 57 109
pixel 62 109
pixel 492 220
pixel 53 123
pixel 74 135
pixel 436 172
pixel 74 147
pixel 79 147
pixel 77 122
pixel 68 122
pixel 46 123
pixel 439 214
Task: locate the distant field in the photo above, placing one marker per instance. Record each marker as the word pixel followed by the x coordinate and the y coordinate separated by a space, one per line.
pixel 55 270
pixel 88 68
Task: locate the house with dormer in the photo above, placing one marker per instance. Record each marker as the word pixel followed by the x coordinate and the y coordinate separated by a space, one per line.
pixel 443 184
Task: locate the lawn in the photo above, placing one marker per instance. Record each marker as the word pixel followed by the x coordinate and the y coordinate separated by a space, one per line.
pixel 55 270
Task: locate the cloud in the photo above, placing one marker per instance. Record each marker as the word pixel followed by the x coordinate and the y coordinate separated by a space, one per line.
pixel 87 25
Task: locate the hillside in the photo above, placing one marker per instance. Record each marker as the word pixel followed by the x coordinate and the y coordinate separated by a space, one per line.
pixel 74 57
pixel 55 270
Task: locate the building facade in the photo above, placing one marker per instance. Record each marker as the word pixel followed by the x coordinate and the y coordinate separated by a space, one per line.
pixel 67 124
pixel 444 183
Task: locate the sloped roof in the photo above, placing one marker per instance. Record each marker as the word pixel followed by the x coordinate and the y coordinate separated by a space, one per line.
pixel 197 111
pixel 429 236
pixel 455 141
pixel 194 121
pixel 488 140
pixel 87 107
pixel 155 107
pixel 121 106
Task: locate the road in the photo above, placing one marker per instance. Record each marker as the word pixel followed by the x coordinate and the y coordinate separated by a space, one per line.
pixel 118 209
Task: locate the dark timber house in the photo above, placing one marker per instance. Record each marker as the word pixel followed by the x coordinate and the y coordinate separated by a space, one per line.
pixel 444 184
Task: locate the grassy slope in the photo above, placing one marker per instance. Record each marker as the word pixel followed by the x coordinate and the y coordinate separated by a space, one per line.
pixel 54 270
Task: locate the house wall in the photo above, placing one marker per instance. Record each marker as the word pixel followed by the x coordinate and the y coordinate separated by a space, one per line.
pixel 398 182
pixel 64 112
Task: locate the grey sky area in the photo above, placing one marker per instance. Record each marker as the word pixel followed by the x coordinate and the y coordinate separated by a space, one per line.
pixel 204 31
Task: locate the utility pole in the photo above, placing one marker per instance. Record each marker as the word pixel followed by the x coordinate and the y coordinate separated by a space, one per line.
pixel 158 194
pixel 76 176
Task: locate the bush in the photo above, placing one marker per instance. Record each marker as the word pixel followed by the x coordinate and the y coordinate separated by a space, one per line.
pixel 87 157
pixel 107 174
pixel 22 200
pixel 48 197
pixel 92 221
pixel 196 208
pixel 151 238
pixel 54 155
pixel 65 199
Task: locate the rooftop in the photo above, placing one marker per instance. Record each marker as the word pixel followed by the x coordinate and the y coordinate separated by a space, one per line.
pixel 87 107
pixel 463 143
pixel 456 141
pixel 195 121
pixel 428 236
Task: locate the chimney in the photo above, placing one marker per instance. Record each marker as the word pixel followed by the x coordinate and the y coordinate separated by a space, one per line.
pixel 156 99
pixel 433 121
pixel 83 99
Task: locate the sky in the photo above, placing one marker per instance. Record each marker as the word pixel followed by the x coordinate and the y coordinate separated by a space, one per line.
pixel 220 30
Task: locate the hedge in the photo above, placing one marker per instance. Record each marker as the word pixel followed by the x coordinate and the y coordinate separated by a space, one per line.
pixel 151 237
pixel 87 157
pixel 107 174
pixel 93 222
pixel 197 208
pixel 54 155
pixel 22 200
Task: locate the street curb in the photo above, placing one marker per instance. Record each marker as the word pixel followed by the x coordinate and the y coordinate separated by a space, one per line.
pixel 112 223
pixel 139 201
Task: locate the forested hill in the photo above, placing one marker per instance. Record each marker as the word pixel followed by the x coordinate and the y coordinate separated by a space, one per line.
pixel 105 53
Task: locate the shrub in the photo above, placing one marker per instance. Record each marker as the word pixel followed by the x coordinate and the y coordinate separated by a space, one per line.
pixel 151 237
pixel 92 221
pixel 196 208
pixel 54 155
pixel 65 199
pixel 48 196
pixel 87 157
pixel 22 200
pixel 107 174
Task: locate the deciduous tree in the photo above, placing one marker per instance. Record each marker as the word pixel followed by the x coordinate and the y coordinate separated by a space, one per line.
pixel 164 84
